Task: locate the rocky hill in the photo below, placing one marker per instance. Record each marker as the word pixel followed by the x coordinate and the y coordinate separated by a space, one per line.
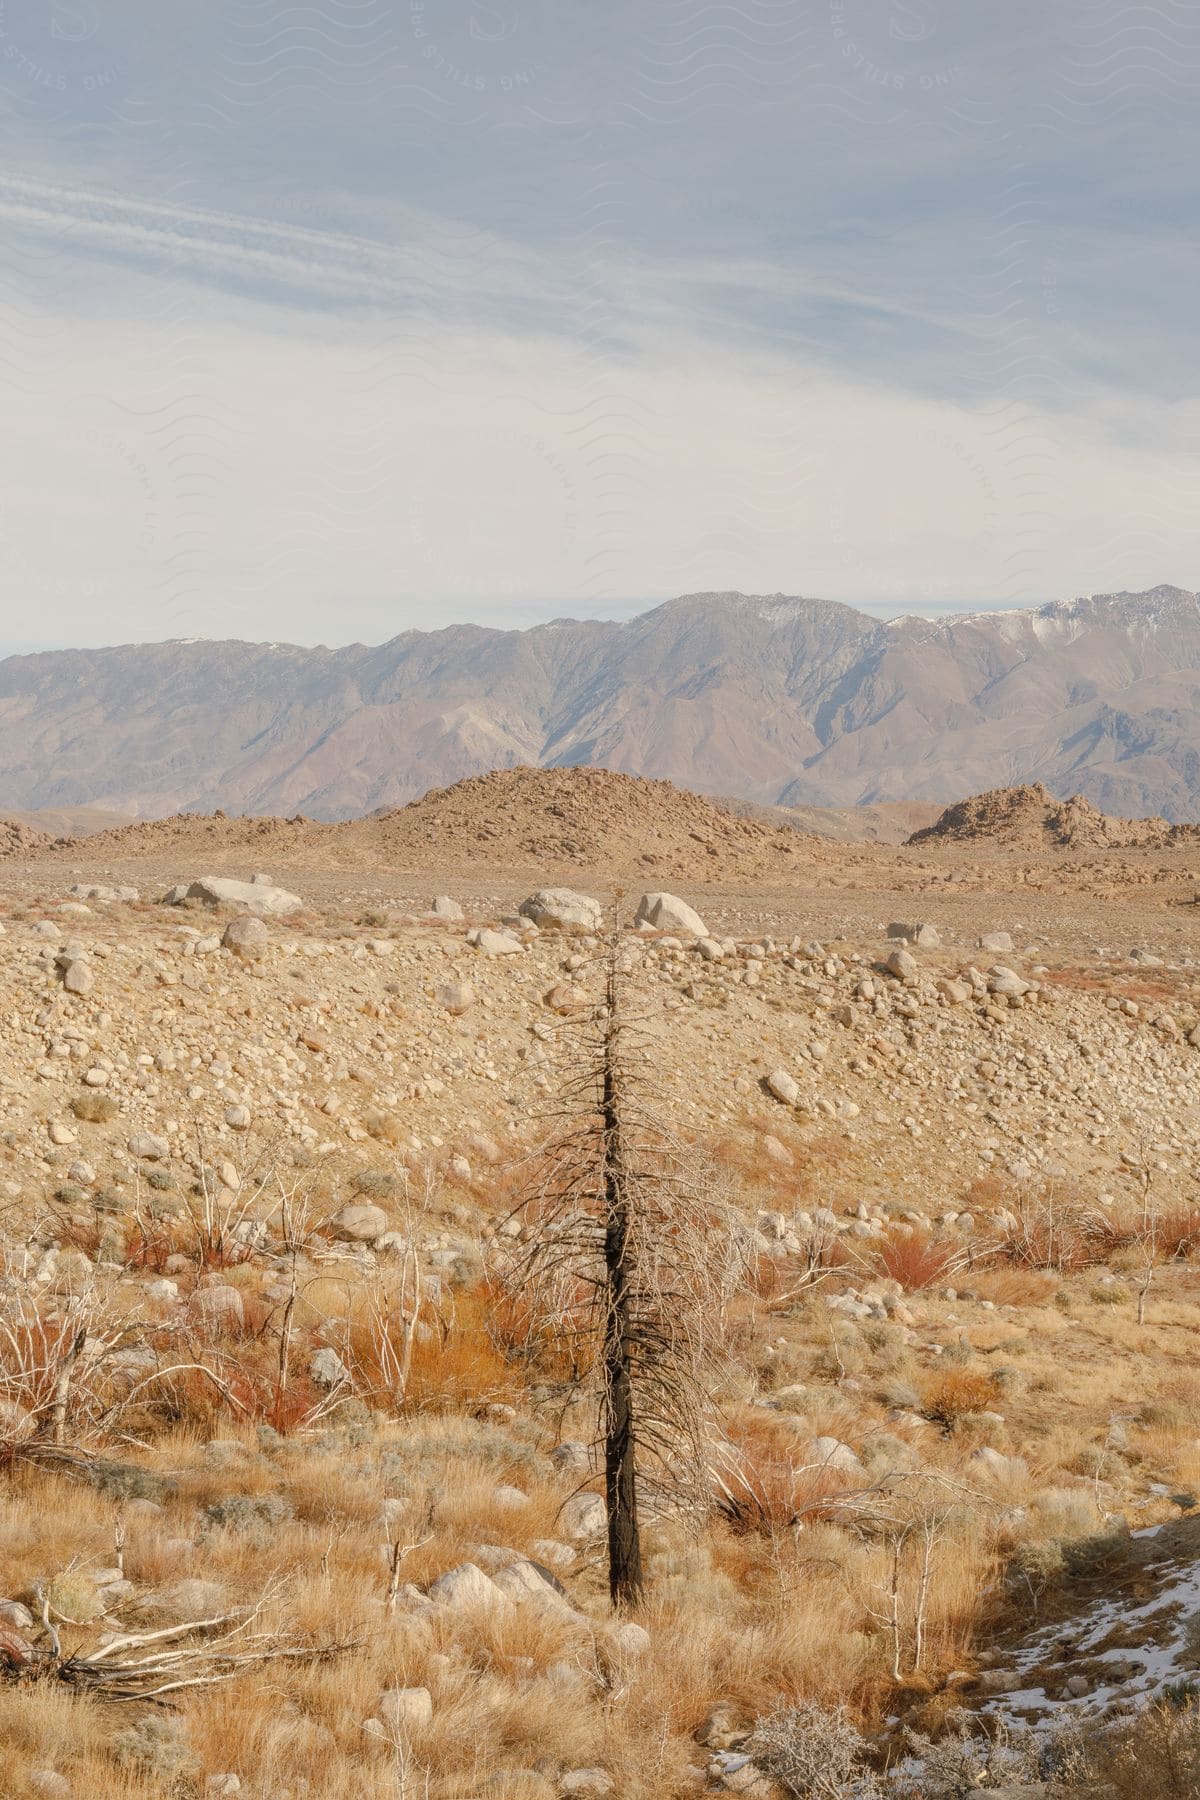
pixel 1030 818
pixel 18 839
pixel 773 699
pixel 594 818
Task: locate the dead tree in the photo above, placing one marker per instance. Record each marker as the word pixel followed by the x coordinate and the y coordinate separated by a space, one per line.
pixel 625 1268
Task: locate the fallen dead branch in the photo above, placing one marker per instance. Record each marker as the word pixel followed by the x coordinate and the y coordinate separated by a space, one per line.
pixel 150 1665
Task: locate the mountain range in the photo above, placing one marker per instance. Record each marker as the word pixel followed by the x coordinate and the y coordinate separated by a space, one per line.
pixel 772 699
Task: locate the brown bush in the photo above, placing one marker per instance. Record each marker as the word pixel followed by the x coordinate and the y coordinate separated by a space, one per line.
pixel 955 1392
pixel 761 1489
pixel 94 1107
pixel 916 1259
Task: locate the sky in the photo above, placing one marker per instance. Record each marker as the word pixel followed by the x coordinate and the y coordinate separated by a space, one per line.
pixel 323 322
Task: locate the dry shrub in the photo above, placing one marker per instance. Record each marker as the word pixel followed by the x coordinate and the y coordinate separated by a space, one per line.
pixel 743 1157
pixel 1060 1235
pixel 454 1361
pixel 79 1233
pixel 1176 1231
pixel 1008 1286
pixel 1156 1758
pixel 954 1393
pixel 762 1488
pixel 763 1278
pixel 148 1245
pixel 386 1128
pixel 552 1344
pixel 94 1107
pixel 915 1258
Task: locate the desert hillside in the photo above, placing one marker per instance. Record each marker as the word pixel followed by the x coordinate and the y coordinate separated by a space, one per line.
pixel 282 1113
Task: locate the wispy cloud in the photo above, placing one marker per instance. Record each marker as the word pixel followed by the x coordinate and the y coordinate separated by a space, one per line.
pixel 320 322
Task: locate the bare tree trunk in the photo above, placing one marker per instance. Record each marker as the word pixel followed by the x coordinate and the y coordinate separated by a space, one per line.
pixel 285 1346
pixel 62 1388
pixel 625 1578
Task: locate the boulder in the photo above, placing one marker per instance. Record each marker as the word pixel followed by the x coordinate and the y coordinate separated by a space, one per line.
pixel 402 1710
pixel 247 937
pixel 149 1148
pixel 571 1457
pixel 926 937
pixel 219 1305
pixel 784 1087
pixel 255 896
pixel 1006 982
pixel 832 1454
pixel 562 908
pixel 586 1784
pixel 497 943
pixel 456 997
pixel 993 1463
pixel 903 965
pixel 327 1369
pixel 996 942
pixel 667 912
pixel 564 998
pixel 954 993
pixel 77 977
pixel 359 1222
pixel 583 1518
pixel 443 907
pixel 466 1588
pixel 524 1581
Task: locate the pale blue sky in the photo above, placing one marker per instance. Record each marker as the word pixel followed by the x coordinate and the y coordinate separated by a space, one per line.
pixel 320 322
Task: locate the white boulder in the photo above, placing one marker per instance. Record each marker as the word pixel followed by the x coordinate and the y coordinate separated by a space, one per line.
pixel 255 896
pixel 667 912
pixel 562 908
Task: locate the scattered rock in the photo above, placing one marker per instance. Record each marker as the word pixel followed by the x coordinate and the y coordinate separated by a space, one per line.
pixel 497 943
pixel 562 908
pixel 667 912
pixel 327 1369
pixel 784 1087
pixel 403 1710
pixel 456 997
pixel 359 1222
pixel 586 1784
pixel 77 977
pixel 466 1588
pixel 147 1147
pixel 247 937
pixel 584 1518
pixel 903 965
pixel 256 896
pixel 926 937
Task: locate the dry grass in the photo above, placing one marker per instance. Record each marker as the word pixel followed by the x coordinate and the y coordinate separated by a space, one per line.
pixel 780 1593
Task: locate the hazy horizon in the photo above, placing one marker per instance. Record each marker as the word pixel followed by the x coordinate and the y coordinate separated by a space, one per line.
pixel 533 613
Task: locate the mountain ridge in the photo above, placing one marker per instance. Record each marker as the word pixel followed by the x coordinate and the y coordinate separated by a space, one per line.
pixel 776 699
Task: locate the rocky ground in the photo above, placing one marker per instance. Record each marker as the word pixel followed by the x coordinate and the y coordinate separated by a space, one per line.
pixel 954 1099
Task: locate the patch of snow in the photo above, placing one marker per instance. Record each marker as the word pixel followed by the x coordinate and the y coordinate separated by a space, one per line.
pixel 1155 1665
